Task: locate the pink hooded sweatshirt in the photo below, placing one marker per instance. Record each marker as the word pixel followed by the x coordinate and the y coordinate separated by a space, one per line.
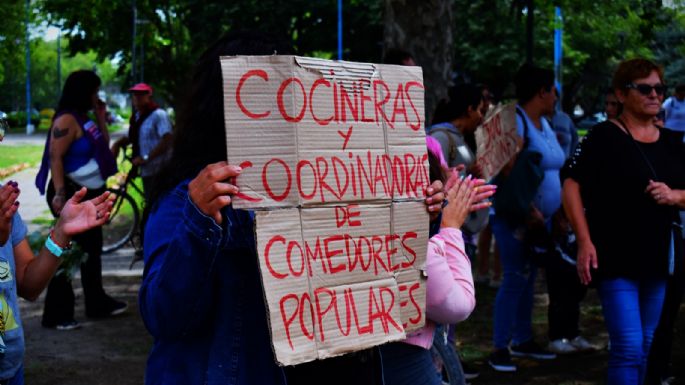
pixel 450 294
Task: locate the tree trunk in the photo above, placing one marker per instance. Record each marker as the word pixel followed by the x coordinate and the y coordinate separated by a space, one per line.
pixel 424 28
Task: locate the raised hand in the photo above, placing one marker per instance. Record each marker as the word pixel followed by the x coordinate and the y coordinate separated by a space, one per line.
pixel 483 192
pixel 210 190
pixel 459 199
pixel 482 189
pixel 77 217
pixel 8 207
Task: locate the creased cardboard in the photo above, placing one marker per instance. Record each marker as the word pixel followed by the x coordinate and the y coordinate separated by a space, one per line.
pixel 497 140
pixel 334 161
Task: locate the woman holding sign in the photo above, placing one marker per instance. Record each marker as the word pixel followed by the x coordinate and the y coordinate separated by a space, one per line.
pixel 201 296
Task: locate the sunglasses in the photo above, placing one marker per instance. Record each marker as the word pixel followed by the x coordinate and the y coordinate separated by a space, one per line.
pixel 646 89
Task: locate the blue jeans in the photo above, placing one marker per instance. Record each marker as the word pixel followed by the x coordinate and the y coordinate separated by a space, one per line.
pixel 513 312
pixel 631 311
pixel 405 364
pixel 17 379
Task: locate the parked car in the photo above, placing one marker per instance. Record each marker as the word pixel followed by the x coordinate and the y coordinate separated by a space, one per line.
pixel 3 124
pixel 588 121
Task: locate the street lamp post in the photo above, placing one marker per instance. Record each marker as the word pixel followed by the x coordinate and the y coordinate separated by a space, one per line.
pixel 29 126
pixel 340 30
pixel 133 47
pixel 530 7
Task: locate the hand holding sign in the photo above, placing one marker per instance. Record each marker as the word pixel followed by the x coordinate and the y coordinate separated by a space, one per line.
pixel 210 192
pixel 434 198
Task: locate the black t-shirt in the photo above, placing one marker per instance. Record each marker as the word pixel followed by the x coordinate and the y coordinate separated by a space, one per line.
pixel 631 233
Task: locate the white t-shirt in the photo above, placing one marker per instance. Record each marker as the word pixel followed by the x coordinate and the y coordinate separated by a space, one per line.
pixel 675 114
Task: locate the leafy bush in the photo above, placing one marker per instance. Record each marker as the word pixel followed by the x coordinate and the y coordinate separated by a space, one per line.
pixel 47 113
pixel 18 118
pixel 71 259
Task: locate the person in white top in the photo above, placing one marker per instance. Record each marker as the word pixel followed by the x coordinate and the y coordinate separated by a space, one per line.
pixel 675 109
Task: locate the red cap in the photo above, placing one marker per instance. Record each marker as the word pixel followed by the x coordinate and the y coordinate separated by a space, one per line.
pixel 141 87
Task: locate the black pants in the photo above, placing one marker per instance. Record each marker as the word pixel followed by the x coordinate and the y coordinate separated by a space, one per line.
pixel 59 300
pixel 359 368
pixel 660 352
pixel 565 293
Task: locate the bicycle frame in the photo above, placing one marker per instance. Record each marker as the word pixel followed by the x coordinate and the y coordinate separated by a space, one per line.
pixel 132 232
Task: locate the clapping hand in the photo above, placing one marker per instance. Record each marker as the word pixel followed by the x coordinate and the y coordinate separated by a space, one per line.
pixel 77 217
pixel 459 198
pixel 482 191
pixel 8 207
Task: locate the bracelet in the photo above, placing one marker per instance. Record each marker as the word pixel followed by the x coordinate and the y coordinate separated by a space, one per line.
pixel 54 247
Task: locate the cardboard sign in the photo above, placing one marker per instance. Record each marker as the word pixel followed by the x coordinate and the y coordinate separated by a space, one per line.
pixel 334 161
pixel 497 140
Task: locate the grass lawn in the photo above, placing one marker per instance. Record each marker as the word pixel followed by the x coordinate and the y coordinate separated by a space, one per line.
pixel 44 126
pixel 11 155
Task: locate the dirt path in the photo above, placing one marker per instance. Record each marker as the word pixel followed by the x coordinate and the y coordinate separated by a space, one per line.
pixel 113 351
pixel 102 352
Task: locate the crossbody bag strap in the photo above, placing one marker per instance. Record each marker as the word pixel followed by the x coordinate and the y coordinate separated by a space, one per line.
pixel 642 153
pixel 520 113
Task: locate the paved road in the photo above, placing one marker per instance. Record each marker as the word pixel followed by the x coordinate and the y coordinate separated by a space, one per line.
pixel 33 206
pixel 16 139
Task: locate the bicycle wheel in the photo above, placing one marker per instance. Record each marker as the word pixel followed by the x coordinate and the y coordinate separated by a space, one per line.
pixel 446 362
pixel 122 223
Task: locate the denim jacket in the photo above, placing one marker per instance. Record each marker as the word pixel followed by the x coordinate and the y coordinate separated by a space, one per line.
pixel 201 298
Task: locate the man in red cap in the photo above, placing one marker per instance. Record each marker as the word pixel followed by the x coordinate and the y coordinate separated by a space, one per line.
pixel 149 133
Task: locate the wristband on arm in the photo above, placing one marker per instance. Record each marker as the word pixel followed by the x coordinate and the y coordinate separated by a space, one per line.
pixel 53 247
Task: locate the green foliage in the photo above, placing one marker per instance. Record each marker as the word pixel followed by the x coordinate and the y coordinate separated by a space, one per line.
pixel 71 259
pixel 13 155
pixel 490 39
pixel 18 118
pixel 177 31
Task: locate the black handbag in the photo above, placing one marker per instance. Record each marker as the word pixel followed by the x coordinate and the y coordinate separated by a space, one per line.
pixel 515 192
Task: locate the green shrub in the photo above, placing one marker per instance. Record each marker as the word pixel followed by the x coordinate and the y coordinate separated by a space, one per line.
pixel 18 118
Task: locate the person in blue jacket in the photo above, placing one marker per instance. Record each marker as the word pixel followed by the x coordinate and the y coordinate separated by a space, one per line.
pixel 201 296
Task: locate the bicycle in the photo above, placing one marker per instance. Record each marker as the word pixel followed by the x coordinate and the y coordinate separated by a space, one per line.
pixel 123 225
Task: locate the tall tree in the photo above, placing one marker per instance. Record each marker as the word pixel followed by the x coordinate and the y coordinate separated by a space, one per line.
pixel 424 28
pixel 175 32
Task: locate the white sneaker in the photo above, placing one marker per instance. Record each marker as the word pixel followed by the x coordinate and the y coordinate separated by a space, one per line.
pixel 562 346
pixel 582 345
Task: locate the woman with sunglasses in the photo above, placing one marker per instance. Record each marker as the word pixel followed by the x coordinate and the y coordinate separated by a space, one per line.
pixel 621 190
